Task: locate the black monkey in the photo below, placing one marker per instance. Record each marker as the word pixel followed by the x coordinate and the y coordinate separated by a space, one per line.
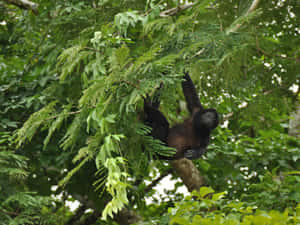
pixel 191 137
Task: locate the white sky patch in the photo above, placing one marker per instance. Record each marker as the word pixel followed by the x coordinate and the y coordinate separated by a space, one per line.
pixel 165 185
pixel 277 78
pixel 73 205
pixel 54 188
pixel 225 124
pixel 3 23
pixel 88 211
pixel 294 88
pixel 279 34
pixel 243 105
pixel 292 15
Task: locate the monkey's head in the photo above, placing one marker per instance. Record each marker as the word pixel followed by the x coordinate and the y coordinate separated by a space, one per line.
pixel 206 120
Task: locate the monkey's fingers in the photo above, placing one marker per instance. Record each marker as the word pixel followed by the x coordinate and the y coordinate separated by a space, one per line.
pixel 194 153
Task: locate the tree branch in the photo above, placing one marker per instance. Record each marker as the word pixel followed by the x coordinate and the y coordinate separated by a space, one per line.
pixel 131 84
pixel 69 113
pixel 173 11
pixel 189 174
pixel 127 217
pixel 25 4
pixel 8 213
pixel 78 214
pixel 251 9
pixel 272 55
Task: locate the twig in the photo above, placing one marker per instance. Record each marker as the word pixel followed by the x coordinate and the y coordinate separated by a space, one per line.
pixel 269 54
pixel 69 113
pixel 199 52
pixel 92 49
pixel 9 213
pixel 131 84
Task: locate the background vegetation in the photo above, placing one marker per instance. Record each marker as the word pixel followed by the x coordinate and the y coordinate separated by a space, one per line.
pixel 73 75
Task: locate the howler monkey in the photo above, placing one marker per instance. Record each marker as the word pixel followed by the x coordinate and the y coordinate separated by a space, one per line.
pixel 191 137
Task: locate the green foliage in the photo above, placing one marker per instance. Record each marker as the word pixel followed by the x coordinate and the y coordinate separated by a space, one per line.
pixel 115 186
pixel 217 210
pixel 73 79
pixel 243 164
pixel 57 123
pixel 126 19
pixel 34 123
pixel 18 206
pixel 70 60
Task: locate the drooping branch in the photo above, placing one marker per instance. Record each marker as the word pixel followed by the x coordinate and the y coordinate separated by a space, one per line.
pixel 24 4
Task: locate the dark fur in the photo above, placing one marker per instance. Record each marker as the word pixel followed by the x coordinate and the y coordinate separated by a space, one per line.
pixel 191 137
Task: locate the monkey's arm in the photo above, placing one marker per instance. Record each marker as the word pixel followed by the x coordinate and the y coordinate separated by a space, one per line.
pixel 156 120
pixel 190 93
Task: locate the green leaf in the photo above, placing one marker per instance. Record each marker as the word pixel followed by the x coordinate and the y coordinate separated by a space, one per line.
pixel 204 191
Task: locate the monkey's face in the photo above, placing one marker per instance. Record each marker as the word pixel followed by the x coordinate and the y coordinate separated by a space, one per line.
pixel 206 120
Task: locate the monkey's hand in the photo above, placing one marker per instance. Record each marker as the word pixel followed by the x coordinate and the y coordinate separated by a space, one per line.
pixel 194 153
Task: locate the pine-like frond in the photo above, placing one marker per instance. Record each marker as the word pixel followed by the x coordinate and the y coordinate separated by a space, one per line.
pixel 71 60
pixel 35 121
pixel 57 123
pixel 73 132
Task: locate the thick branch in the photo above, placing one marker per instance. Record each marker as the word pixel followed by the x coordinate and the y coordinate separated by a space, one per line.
pixel 127 217
pixel 24 4
pixel 251 9
pixel 189 174
pixel 173 11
